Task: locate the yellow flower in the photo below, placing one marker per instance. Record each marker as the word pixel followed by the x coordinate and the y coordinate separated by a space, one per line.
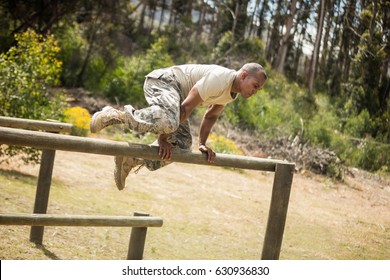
pixel 80 118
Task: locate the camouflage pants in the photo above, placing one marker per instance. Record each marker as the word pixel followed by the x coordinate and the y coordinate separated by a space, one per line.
pixel 163 114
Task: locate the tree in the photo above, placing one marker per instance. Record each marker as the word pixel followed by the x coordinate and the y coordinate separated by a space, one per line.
pixel 264 10
pixel 38 15
pixel 273 39
pixel 27 71
pixel 317 44
pixel 341 68
pixel 286 39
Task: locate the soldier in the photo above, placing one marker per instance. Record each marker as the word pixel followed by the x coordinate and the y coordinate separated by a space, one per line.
pixel 172 94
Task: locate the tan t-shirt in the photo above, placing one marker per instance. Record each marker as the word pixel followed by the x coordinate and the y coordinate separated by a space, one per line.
pixel 213 82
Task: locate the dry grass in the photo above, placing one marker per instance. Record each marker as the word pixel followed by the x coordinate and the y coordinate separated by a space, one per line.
pixel 208 212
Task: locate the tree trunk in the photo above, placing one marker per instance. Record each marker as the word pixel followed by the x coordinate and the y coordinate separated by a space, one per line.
pixel 316 49
pixel 263 10
pixel 142 18
pixel 274 39
pixel 253 19
pixel 163 5
pixel 286 38
pixel 325 48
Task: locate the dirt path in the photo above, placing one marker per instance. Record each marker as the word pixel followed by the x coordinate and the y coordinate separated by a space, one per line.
pixel 208 212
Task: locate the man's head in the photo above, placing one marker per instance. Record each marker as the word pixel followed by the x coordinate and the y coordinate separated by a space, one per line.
pixel 250 78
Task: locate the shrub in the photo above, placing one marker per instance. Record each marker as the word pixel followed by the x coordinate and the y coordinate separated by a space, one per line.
pixel 360 125
pixel 73 52
pixel 375 156
pixel 228 53
pixel 270 112
pixel 220 144
pixel 26 72
pixel 321 128
pixel 126 82
pixel 80 118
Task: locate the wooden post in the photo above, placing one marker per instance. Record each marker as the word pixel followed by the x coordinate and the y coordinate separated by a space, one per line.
pixel 42 194
pixel 137 241
pixel 278 211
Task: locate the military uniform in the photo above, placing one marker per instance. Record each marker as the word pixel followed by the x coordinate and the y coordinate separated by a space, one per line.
pixel 165 89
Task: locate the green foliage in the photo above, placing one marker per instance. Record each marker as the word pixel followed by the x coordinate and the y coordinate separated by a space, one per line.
pixel 382 124
pixel 227 50
pixel 321 127
pixel 125 83
pixel 271 111
pixel 223 46
pixel 324 129
pixel 360 125
pixel 26 72
pixel 6 40
pixel 364 91
pixel 375 156
pixel 73 51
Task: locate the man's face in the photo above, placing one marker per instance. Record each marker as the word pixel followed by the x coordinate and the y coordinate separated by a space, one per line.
pixel 250 84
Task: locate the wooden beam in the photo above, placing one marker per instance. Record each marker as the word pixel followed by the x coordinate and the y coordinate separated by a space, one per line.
pixel 45 140
pixel 78 220
pixel 278 211
pixel 49 126
pixel 137 240
pixel 42 193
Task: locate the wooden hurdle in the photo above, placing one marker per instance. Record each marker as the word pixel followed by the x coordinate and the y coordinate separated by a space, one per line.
pixel 140 223
pixel 46 167
pixel 280 192
pixel 48 126
pixel 78 220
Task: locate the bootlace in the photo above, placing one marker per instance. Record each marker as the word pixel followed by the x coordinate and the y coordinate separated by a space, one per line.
pixel 138 168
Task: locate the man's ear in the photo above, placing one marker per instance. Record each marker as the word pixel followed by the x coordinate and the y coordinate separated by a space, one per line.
pixel 244 74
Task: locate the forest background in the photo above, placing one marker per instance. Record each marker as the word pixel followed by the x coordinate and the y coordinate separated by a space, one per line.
pixel 327 62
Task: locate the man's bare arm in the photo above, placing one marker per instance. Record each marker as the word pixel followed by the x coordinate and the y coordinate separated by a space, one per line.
pixel 208 121
pixel 192 100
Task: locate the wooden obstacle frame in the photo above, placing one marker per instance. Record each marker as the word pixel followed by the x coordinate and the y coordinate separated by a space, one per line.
pixel 139 223
pixel 49 142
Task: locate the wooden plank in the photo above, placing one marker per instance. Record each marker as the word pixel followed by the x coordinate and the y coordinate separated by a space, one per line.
pixel 49 126
pixel 78 220
pixel 44 140
pixel 278 211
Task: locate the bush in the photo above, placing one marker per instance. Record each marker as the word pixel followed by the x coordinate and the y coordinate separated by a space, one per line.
pixel 360 125
pixel 271 112
pixel 26 72
pixel 325 123
pixel 220 144
pixel 231 54
pixel 80 118
pixel 375 156
pixel 73 52
pixel 126 82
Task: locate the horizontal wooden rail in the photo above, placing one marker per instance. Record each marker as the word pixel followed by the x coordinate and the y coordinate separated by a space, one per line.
pixel 79 220
pixel 13 136
pixel 49 126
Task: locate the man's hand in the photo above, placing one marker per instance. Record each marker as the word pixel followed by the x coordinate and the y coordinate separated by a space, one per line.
pixel 210 153
pixel 165 148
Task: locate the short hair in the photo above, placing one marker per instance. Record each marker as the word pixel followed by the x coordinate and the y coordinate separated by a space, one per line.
pixel 253 68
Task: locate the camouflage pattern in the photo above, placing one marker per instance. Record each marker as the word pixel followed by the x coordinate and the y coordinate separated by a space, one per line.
pixel 164 97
